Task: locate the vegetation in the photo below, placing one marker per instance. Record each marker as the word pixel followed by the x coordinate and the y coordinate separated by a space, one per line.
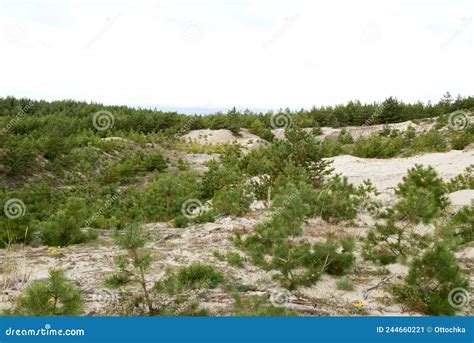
pixel 134 264
pixel 69 179
pixel 55 296
pixel 422 198
pixel 431 279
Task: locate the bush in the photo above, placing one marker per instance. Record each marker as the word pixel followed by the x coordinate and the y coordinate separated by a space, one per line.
pixel 460 141
pixel 233 200
pixel 431 141
pixel 459 229
pixel 429 282
pixel 377 146
pixel 234 259
pixel 462 181
pixel 53 297
pixel 180 221
pixel 422 195
pixel 384 243
pixel 64 227
pixel 154 161
pixel 340 200
pixel 199 275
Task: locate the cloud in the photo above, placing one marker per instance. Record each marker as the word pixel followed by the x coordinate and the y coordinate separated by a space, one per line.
pixel 251 54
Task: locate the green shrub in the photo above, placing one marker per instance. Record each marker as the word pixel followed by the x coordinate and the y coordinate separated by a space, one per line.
pixel 462 181
pixel 234 259
pixel 134 264
pixel 154 161
pixel 431 141
pixel 340 200
pixel 181 221
pixel 459 228
pixel 384 243
pixel 199 275
pixel 422 195
pixel 55 296
pixel 194 276
pixel 233 200
pixel 64 227
pixel 429 282
pixel 460 141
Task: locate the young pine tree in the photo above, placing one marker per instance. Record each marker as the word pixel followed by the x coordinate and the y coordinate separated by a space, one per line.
pixel 55 296
pixel 134 264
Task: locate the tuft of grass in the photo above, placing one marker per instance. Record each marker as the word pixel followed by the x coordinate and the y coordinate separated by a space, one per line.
pixel 199 275
pixel 117 280
pixel 345 285
pixel 234 259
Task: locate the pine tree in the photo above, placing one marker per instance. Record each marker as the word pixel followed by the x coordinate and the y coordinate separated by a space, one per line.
pixel 55 296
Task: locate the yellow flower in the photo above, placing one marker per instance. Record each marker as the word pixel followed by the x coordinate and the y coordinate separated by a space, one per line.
pixel 359 304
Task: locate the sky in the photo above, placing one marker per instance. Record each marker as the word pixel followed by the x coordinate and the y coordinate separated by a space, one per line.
pixel 194 56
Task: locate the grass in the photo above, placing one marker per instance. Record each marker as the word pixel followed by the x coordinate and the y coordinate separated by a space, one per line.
pixel 345 285
pixel 199 275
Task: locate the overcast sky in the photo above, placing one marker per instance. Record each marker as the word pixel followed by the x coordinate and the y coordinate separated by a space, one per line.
pixel 250 54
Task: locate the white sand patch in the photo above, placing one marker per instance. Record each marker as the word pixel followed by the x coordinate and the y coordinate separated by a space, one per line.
pixel 461 198
pixel 386 174
pixel 216 137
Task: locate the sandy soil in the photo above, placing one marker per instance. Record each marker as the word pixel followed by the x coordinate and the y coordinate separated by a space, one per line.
pixel 246 139
pixel 88 265
pixel 385 174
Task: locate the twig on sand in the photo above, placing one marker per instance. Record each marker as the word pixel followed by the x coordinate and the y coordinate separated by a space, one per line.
pixel 381 283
